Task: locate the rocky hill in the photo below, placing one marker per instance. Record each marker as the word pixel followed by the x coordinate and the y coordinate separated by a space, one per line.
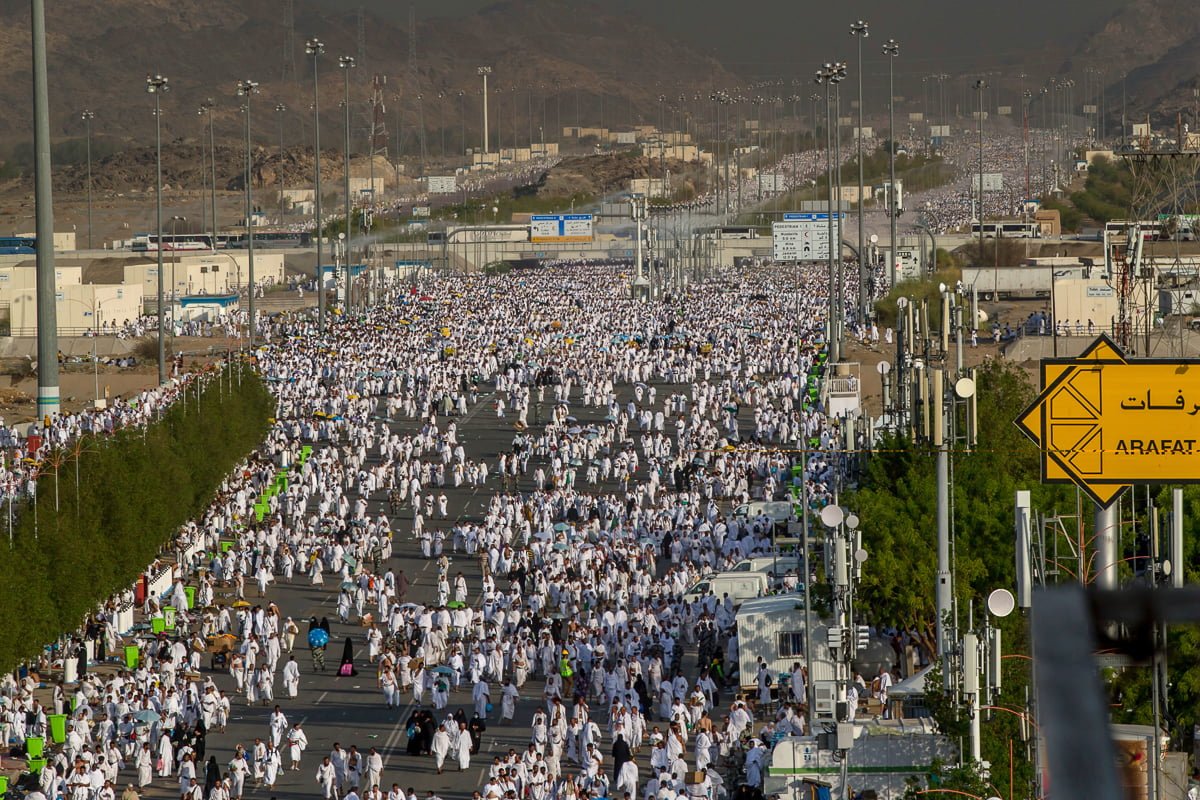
pixel 1157 44
pixel 569 54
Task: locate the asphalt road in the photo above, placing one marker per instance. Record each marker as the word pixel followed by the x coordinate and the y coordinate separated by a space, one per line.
pixel 351 711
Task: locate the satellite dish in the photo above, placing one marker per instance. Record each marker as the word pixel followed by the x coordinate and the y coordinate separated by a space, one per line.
pixel 1001 602
pixel 852 521
pixel 964 388
pixel 832 516
pixel 902 302
pixel 860 556
pixel 883 367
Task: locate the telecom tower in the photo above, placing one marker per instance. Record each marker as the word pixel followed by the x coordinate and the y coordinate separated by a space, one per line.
pixel 289 41
pixel 1144 259
pixel 379 134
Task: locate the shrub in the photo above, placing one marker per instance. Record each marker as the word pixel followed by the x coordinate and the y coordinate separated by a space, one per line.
pixel 106 508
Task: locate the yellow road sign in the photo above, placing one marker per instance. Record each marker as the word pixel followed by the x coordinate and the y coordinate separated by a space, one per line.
pixel 1105 423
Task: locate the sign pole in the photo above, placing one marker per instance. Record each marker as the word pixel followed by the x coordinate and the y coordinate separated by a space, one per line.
pixel 1107 539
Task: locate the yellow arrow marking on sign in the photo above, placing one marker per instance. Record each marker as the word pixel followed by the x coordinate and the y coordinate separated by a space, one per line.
pixel 1104 423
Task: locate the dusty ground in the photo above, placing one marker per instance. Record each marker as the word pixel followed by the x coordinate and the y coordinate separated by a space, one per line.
pixel 80 383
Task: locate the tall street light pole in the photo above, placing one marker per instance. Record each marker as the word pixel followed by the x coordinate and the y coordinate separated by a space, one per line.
pixel 87 117
pixel 980 87
pixel 206 108
pixel 859 31
pixel 824 77
pixel 47 329
pixel 156 85
pixel 891 49
pixel 314 48
pixel 280 109
pixel 246 89
pixel 838 74
pixel 484 72
pixel 204 179
pixel 346 63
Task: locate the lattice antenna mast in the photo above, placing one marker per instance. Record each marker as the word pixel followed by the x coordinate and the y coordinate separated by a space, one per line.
pixel 1165 191
pixel 379 133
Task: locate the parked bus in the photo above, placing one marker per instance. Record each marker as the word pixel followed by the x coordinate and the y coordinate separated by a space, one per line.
pixel 18 246
pixel 1007 230
pixel 272 240
pixel 148 242
pixel 1151 230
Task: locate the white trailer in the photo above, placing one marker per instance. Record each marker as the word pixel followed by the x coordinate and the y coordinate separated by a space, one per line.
pixel 772 628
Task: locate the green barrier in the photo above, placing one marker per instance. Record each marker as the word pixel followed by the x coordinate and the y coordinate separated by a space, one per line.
pixel 132 655
pixel 36 765
pixel 58 727
pixel 35 746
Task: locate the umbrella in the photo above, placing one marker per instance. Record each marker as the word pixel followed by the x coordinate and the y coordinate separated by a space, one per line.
pixel 317 637
pixel 147 715
pixel 572 419
pixel 560 546
pixel 409 607
pixel 240 604
pixel 443 670
pixel 560 526
pixel 574 430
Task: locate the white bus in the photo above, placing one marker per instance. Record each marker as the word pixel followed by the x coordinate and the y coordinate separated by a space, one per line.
pixel 1007 230
pixel 148 242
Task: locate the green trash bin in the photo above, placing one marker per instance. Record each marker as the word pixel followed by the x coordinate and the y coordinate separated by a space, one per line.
pixel 58 727
pixel 158 625
pixel 35 746
pixel 36 765
pixel 169 613
pixel 190 591
pixel 132 656
pixel 226 545
pixel 3 785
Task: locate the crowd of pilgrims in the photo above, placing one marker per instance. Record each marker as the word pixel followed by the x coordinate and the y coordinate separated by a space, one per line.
pixel 634 426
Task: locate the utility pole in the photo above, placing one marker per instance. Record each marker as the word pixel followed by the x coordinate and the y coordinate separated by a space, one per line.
pixel 315 47
pixel 891 49
pixel 246 89
pixel 156 85
pixel 347 63
pixel 483 72
pixel 980 86
pixel 47 329
pixel 859 30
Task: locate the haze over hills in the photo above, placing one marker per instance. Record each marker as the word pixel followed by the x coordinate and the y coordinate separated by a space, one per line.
pixel 1157 43
pixel 100 53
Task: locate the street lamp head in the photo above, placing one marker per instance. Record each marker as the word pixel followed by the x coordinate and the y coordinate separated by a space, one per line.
pixel 860 29
pixel 346 62
pixel 246 88
pixel 280 107
pixel 892 48
pixel 314 47
pixel 156 84
pixel 87 115
pixel 980 85
pixel 483 70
